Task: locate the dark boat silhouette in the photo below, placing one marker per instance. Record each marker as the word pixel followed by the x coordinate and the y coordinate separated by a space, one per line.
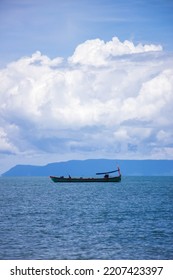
pixel 105 179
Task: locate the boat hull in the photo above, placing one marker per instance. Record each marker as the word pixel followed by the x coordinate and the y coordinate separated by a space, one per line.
pixel 85 180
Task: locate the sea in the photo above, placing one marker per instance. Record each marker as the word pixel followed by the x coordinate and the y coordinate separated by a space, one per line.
pixel 130 220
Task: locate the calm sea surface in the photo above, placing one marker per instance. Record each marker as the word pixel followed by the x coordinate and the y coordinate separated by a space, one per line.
pixel 129 220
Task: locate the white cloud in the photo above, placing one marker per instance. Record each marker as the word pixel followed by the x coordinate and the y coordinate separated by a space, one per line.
pixel 5 145
pixel 96 52
pixel 110 99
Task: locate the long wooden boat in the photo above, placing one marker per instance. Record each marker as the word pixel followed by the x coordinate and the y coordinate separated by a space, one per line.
pixel 105 179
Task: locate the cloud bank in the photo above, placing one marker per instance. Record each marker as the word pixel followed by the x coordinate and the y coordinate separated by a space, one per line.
pixel 109 99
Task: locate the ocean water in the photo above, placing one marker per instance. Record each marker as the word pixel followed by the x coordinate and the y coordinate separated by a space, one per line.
pixel 40 219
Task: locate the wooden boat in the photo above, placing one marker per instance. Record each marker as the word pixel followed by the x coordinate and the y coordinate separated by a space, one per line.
pixel 105 179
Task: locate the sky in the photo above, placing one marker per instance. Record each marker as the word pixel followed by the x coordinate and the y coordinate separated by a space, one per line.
pixel 85 79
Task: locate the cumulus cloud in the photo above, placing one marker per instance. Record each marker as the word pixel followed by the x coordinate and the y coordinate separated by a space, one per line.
pixel 6 146
pixel 111 99
pixel 96 52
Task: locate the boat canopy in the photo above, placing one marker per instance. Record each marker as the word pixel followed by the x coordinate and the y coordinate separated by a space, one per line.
pixel 107 172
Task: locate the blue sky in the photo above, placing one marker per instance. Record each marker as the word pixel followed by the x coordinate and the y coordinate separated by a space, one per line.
pixel 56 27
pixel 85 79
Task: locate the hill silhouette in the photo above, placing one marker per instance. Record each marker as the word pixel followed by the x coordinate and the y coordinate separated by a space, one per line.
pixel 89 167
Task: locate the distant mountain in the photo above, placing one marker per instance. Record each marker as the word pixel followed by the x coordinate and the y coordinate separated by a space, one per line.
pixel 91 166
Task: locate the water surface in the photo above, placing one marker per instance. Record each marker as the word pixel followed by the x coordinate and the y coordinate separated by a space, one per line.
pixel 129 220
